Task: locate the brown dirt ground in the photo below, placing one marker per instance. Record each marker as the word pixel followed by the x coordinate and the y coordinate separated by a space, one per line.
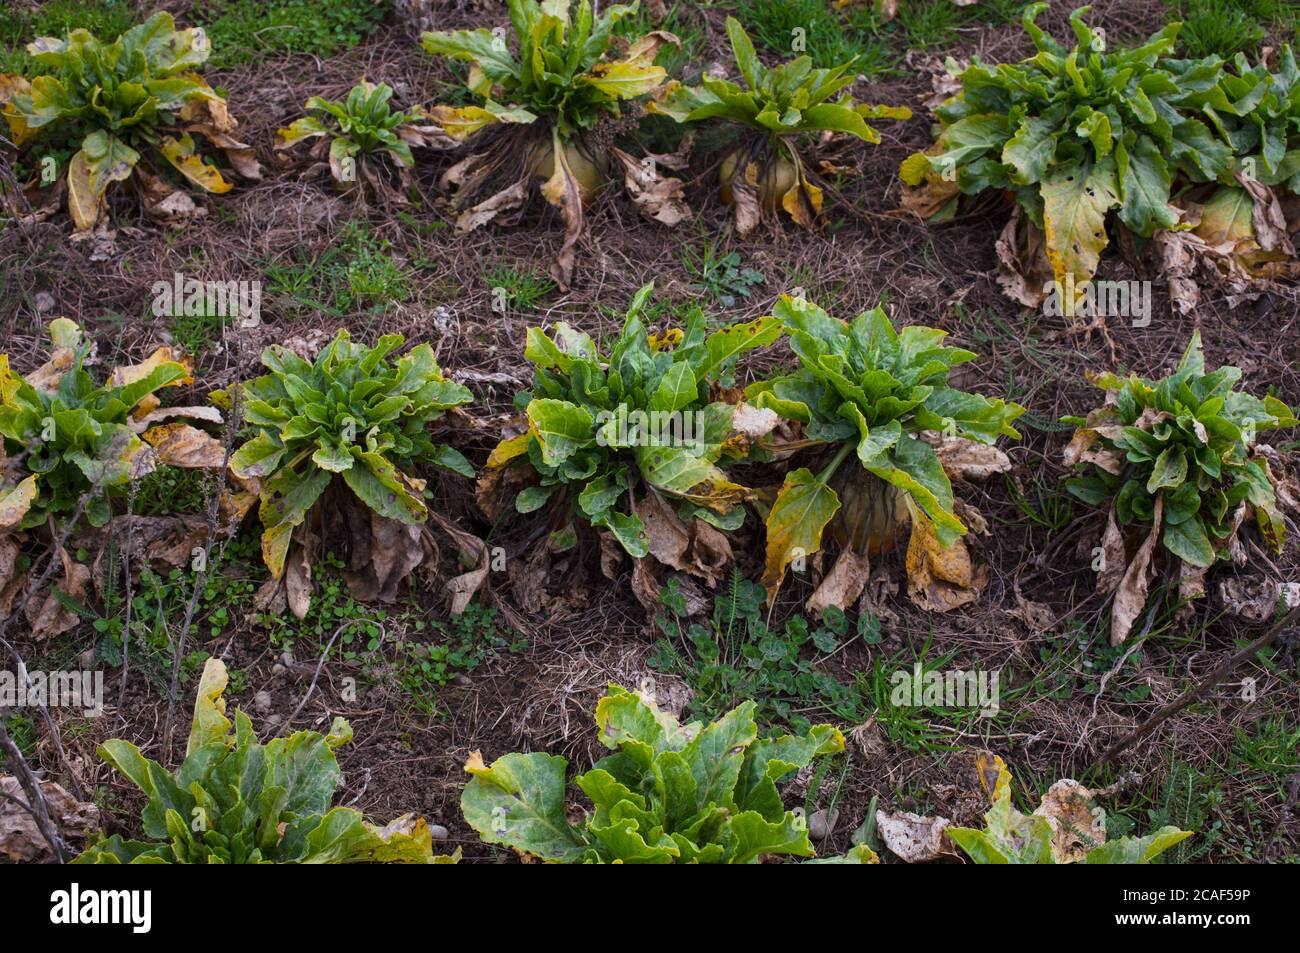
pixel 942 276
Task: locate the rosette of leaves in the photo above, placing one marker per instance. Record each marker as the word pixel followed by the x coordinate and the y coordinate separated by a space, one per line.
pixel 1177 465
pixel 868 393
pixel 364 139
pixel 1074 134
pixel 351 414
pixel 237 801
pixel 779 109
pixel 66 435
pixel 1238 234
pixel 609 436
pixel 670 793
pixel 128 109
pixel 544 112
pixel 1065 829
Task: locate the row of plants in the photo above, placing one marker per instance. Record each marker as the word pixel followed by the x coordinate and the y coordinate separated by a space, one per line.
pixel 547 114
pixel 668 793
pixel 649 451
pixel 1197 156
pixel 1189 154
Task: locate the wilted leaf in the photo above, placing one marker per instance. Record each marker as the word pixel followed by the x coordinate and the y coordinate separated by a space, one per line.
pixel 1023 269
pixel 656 197
pixel 48 615
pixel 940 579
pixel 180 445
pixel 1131 594
pixel 21 841
pixel 914 839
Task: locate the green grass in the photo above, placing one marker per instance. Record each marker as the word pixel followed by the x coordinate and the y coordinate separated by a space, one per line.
pixel 159 602
pixel 1227 27
pixel 22 730
pixel 522 288
pixel 243 31
pixel 168 491
pixel 355 274
pixel 105 18
pixel 929 24
pixel 828 37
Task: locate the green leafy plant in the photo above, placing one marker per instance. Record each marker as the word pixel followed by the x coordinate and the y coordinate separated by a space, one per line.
pixel 1238 225
pixel 865 389
pixel 642 419
pixel 776 108
pixel 357 132
pixel 353 414
pixel 237 801
pixel 1176 462
pixel 1065 830
pixel 65 434
pixel 542 109
pixel 1076 134
pixel 118 101
pixel 670 793
pixel 721 276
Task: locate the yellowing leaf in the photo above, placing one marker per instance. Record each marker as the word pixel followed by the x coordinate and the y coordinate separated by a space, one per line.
pixel 275 547
pixel 1076 198
pixel 130 373
pixel 625 80
pixel 795 523
pixel 15 501
pixel 181 154
pixel 83 204
pixel 507 450
pixel 462 122
pixel 12 84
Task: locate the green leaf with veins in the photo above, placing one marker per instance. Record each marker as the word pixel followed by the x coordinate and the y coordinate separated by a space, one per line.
pixel 669 793
pixel 351 412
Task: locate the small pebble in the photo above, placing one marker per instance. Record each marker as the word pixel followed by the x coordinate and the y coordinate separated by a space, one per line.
pixel 438 832
pixel 262 701
pixel 820 824
pixel 278 669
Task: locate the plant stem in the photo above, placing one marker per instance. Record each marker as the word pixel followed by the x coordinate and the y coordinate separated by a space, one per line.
pixel 836 460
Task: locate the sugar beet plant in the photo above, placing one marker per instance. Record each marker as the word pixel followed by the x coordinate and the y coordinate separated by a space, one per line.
pixel 779 109
pixel 670 793
pixel 237 801
pixel 125 105
pixel 544 110
pixel 605 429
pixel 1177 466
pixel 1075 134
pixel 867 391
pixel 363 138
pixel 352 414
pixel 66 435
